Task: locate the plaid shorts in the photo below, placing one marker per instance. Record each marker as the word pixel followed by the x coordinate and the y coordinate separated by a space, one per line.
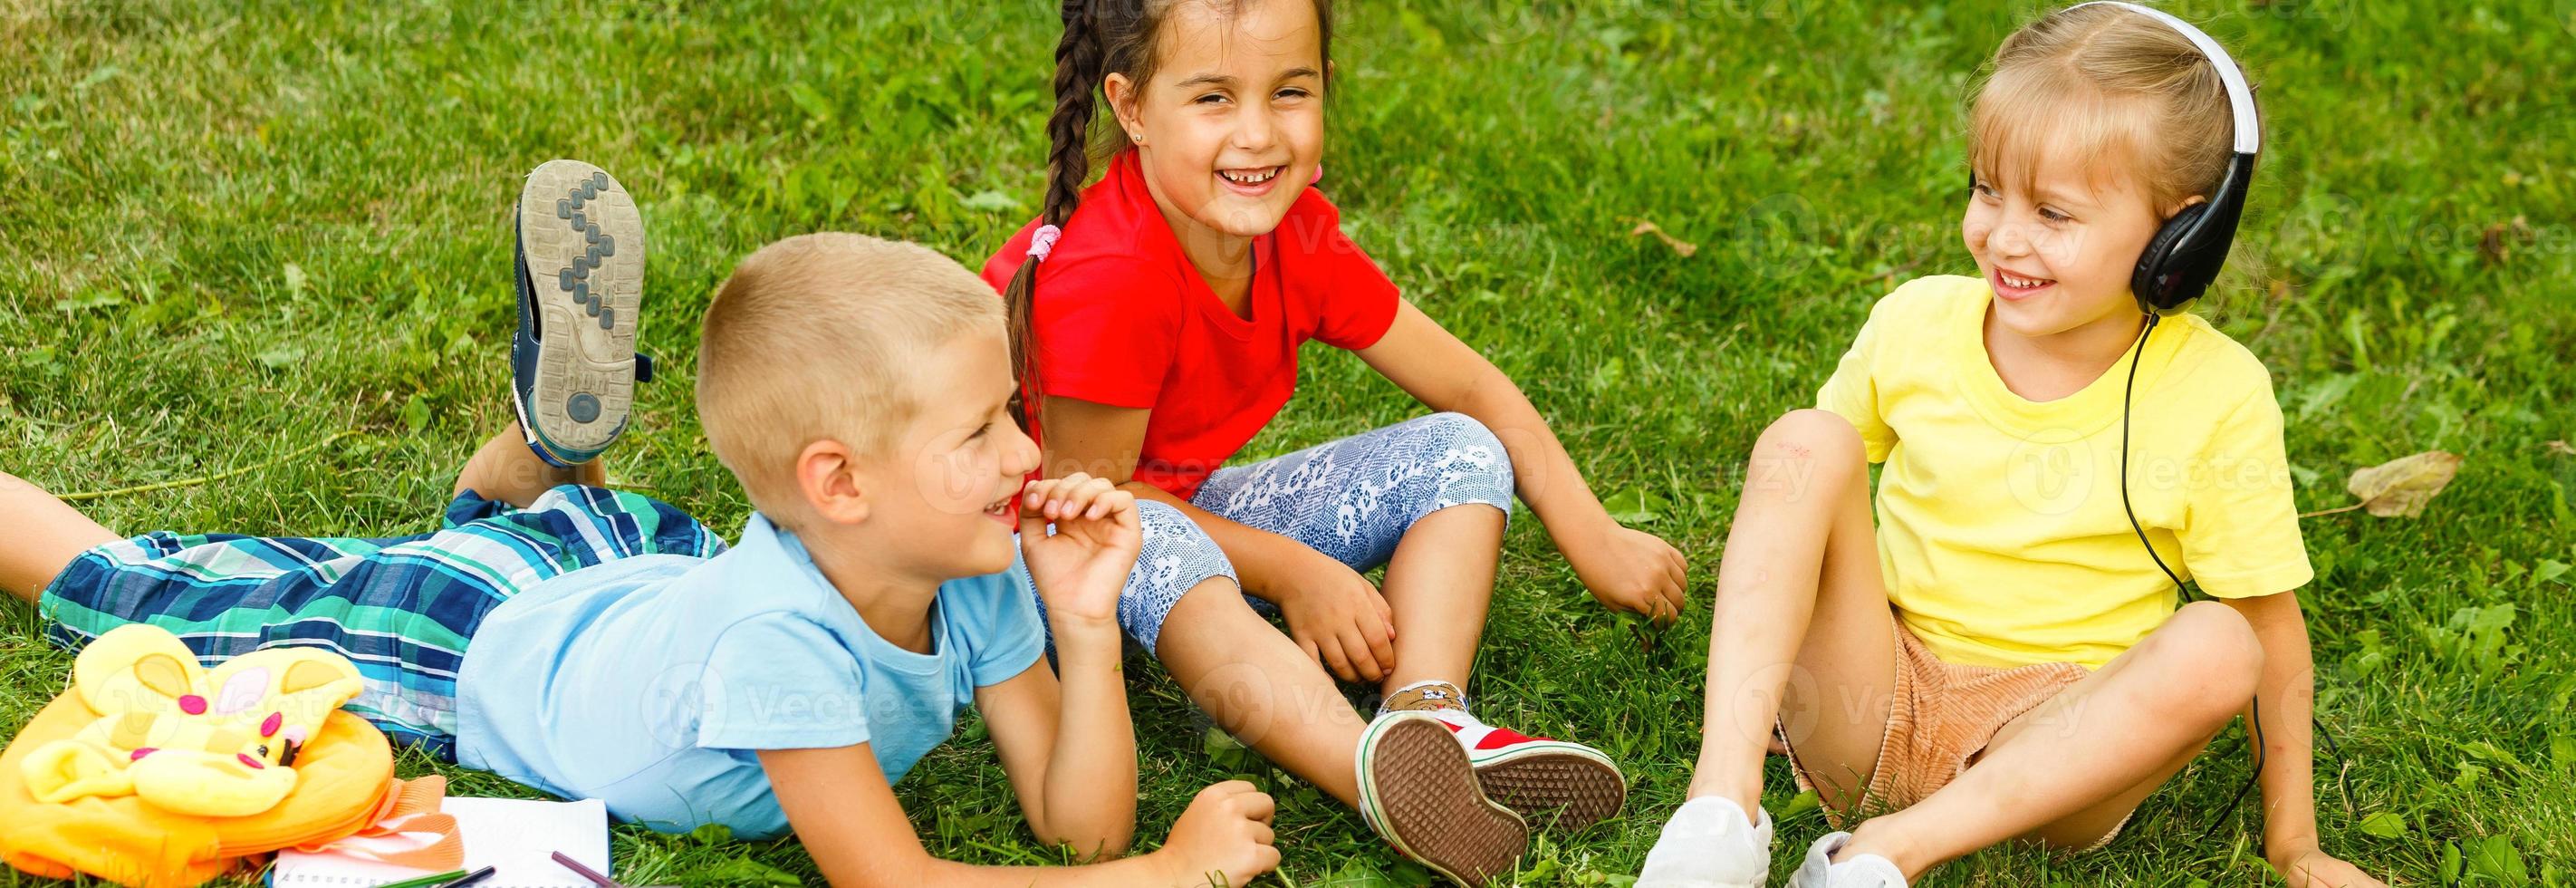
pixel 401 608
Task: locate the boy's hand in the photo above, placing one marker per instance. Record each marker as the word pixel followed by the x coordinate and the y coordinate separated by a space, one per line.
pixel 1630 570
pixel 1080 568
pixel 1338 618
pixel 2313 868
pixel 1225 835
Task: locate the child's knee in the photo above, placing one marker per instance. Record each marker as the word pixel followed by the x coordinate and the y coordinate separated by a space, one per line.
pixel 1822 434
pixel 1476 467
pixel 2217 648
pixel 1807 450
pixel 1177 557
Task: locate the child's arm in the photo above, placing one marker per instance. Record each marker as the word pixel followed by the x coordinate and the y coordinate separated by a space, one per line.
pixel 1626 569
pixel 847 816
pixel 1067 743
pixel 1324 600
pixel 1068 747
pixel 1070 751
pixel 2286 695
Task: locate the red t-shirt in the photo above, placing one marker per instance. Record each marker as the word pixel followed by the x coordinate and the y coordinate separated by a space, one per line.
pixel 1123 319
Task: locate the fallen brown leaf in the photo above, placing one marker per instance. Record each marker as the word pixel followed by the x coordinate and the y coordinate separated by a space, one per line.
pixel 2400 487
pixel 1683 247
pixel 2501 237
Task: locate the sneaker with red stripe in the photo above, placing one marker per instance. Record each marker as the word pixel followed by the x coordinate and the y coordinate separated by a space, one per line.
pixel 1546 781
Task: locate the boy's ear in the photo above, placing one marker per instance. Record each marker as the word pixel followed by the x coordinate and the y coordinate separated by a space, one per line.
pixel 835 482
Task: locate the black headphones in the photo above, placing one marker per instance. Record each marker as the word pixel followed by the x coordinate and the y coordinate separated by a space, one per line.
pixel 2186 253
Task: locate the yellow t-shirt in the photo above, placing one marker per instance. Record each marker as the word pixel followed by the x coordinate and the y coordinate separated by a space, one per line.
pixel 2000 533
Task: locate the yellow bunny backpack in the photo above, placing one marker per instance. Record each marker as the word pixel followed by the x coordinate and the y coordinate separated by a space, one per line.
pixel 153 771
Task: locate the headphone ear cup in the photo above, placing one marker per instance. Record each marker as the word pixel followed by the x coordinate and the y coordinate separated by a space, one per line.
pixel 2152 282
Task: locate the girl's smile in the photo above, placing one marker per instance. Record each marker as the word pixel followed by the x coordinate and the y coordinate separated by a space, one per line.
pixel 1251 181
pixel 2012 286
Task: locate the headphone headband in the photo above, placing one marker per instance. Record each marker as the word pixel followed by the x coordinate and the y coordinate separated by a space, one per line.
pixel 2240 97
pixel 2187 251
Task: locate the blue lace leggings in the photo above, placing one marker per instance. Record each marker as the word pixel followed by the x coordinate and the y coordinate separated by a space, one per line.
pixel 1351 499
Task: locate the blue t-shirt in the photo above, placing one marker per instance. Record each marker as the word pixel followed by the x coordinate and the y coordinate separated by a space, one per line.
pixel 651 682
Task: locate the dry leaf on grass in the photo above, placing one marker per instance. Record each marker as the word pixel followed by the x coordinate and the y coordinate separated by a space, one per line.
pixel 2400 487
pixel 1683 247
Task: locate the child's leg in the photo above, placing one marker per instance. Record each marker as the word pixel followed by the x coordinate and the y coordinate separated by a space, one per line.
pixel 1803 638
pixel 1439 584
pixel 1802 633
pixel 2068 771
pixel 39 535
pixel 1428 498
pixel 506 471
pixel 1423 793
pixel 1261 688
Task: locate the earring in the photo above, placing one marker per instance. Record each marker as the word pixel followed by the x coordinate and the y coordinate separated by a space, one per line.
pixel 1139 137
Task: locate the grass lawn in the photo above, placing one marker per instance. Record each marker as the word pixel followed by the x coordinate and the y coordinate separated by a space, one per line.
pixel 230 229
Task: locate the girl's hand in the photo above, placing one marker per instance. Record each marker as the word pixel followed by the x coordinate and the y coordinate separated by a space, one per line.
pixel 1223 839
pixel 1338 618
pixel 2310 867
pixel 1082 566
pixel 1631 570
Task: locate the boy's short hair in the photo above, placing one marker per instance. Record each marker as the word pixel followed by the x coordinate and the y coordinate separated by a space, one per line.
pixel 811 339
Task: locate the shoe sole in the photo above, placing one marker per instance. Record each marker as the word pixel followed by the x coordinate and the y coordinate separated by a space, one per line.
pixel 1559 785
pixel 583 242
pixel 1418 790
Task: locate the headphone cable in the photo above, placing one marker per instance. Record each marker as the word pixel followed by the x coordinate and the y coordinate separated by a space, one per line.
pixel 2128 392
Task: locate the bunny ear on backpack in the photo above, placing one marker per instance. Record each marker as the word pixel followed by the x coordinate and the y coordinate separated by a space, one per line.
pixel 137 668
pixel 2399 488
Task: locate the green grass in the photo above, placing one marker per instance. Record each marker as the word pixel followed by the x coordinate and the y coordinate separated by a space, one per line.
pixel 228 229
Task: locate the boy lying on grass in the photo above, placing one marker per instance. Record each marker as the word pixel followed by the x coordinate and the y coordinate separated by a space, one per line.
pixel 596 643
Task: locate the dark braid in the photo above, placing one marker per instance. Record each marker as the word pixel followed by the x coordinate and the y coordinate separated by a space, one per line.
pixel 1077 81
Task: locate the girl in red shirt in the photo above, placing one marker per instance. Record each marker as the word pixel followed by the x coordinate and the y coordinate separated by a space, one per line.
pixel 1157 316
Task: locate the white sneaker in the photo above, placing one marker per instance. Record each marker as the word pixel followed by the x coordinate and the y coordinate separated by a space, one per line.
pixel 1709 843
pixel 1860 871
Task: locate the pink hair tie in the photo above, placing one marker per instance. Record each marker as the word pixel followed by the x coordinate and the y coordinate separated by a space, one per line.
pixel 1042 242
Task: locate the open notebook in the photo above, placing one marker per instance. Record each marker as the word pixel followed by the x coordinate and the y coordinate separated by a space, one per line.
pixel 517 837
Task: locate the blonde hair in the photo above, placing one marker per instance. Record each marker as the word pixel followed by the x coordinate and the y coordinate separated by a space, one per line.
pixel 810 340
pixel 2117 88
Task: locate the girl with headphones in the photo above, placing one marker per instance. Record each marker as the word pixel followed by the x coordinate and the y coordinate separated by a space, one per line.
pixel 1995 658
